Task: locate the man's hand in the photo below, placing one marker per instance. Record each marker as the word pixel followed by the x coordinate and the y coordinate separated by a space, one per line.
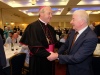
pixel 52 56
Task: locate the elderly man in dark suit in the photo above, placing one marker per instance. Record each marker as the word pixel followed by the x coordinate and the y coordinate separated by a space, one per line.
pixel 2 56
pixel 78 56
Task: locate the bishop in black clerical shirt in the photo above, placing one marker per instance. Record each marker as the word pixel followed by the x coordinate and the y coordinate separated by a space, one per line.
pixel 38 36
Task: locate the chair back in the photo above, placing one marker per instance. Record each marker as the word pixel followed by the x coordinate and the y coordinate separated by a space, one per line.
pixel 96 65
pixel 17 63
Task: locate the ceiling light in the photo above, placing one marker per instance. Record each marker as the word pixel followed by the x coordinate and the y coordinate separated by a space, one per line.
pixel 95 12
pixel 33 2
pixel 46 0
pixel 88 2
pixel 12 23
pixel 69 13
pixel 30 14
pixel 30 0
pixel 89 12
pixel 23 24
pixel 63 0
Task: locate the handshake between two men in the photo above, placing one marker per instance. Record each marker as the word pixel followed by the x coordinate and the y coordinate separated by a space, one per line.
pixel 52 56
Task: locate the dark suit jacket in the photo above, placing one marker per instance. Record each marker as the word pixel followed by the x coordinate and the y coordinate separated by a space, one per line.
pixel 2 35
pixel 2 54
pixel 79 57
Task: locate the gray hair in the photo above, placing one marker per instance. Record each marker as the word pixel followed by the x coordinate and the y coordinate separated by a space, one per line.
pixel 83 15
pixel 43 9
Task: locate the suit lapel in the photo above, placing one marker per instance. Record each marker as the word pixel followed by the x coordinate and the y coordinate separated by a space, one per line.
pixel 80 38
pixel 70 40
pixel 72 37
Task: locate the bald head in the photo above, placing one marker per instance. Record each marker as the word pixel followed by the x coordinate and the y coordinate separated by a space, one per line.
pixel 15 35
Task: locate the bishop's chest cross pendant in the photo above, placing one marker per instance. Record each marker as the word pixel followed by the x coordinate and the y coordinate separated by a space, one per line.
pixel 47 39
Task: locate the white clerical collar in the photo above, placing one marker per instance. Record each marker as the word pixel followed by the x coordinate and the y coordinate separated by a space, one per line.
pixel 43 21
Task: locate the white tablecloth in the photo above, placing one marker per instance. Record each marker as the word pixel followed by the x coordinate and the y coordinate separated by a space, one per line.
pixel 9 53
pixel 97 50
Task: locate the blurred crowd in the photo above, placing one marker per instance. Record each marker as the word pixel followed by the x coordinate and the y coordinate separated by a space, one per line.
pixel 8 33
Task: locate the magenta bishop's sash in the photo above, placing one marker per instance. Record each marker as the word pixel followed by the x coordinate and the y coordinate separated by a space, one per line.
pixel 50 48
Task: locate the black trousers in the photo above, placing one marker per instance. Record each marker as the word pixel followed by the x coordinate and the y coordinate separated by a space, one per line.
pixel 1 71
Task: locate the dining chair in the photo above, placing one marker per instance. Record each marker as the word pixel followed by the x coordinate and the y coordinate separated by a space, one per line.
pixel 96 65
pixel 17 63
pixel 25 70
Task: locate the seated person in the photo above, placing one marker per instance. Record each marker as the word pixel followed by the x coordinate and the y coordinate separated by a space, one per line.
pixel 10 38
pixel 63 38
pixel 61 41
pixel 10 41
pixel 19 37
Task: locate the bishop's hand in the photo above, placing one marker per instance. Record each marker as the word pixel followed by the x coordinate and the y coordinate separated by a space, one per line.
pixel 52 56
